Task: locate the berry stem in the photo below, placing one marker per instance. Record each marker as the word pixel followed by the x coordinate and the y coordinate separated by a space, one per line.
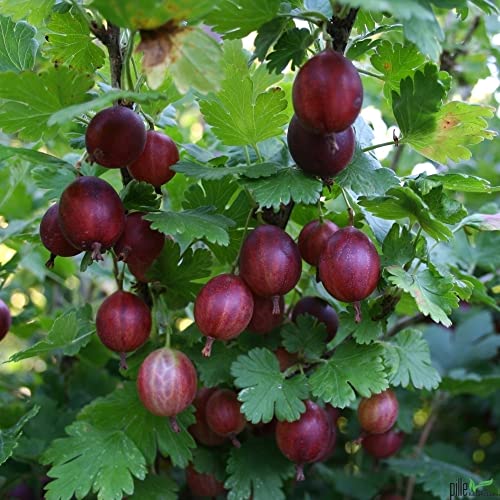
pixel 350 210
pixel 126 62
pixel 299 474
pixel 174 424
pixel 207 350
pixel 257 152
pixel 96 251
pixel 381 145
pixel 50 263
pixel 245 231
pixel 123 361
pixel 276 304
pixel 368 73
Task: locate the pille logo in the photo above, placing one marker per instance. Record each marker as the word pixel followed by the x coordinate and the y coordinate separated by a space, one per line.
pixel 473 486
pixel 462 489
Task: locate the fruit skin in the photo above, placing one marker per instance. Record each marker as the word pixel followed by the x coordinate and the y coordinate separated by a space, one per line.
pixel 167 383
pixel 123 322
pixel 203 485
pixel 115 137
pixel 5 319
pixel 378 413
pixel 320 309
pixel 200 429
pixel 349 266
pixel 139 245
pixel 223 309
pixel 305 440
pixel 324 155
pixel 153 165
pixel 224 416
pixel 313 238
pixel 91 215
pixel 270 262
pixel 332 414
pixel 53 238
pixel 383 445
pixel 285 358
pixel 263 320
pixel 327 93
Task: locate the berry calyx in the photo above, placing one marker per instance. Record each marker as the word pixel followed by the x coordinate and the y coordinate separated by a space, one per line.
pixel 5 319
pixel 313 238
pixel 263 319
pixel 378 413
pixel 270 263
pixel 53 238
pixel 324 155
pixel 383 445
pixel 115 137
pixel 200 429
pixel 203 485
pixel 224 417
pixel 153 165
pixel 139 245
pixel 327 93
pixel 305 440
pixel 91 215
pixel 321 310
pixel 167 383
pixel 123 322
pixel 349 266
pixel 223 309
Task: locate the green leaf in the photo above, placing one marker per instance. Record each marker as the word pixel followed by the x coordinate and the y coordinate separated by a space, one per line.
pixel 401 202
pixel 140 196
pixel 291 48
pixel 122 411
pixel 463 382
pixel 179 273
pixel 104 100
pixel 462 182
pixel 199 171
pixel 70 332
pixel 364 332
pixel 396 62
pixel 433 475
pixel 352 366
pixel 406 8
pixel 210 461
pixel 243 112
pixel 78 469
pixel 193 61
pixel 288 184
pixel 155 488
pixel 251 476
pixel 151 14
pixel 398 247
pixel 482 222
pixel 268 34
pixel 35 11
pixel 265 390
pixel 69 42
pixel 32 156
pixel 238 19
pixel 9 437
pixel 458 125
pixel 18 45
pixel 409 360
pixel 306 336
pixel 30 98
pixel 195 223
pixel 433 294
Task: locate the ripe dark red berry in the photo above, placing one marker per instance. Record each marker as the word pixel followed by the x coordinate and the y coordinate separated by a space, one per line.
pixel 167 383
pixel 223 309
pixel 224 416
pixel 139 245
pixel 313 238
pixel 307 439
pixel 200 429
pixel 327 93
pixel 349 266
pixel 383 445
pixel 332 420
pixel 321 310
pixel 115 137
pixel 5 319
pixel 203 485
pixel 324 155
pixel 91 215
pixel 378 413
pixel 53 238
pixel 333 413
pixel 123 323
pixel 153 165
pixel 270 263
pixel 263 319
pixel 285 358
